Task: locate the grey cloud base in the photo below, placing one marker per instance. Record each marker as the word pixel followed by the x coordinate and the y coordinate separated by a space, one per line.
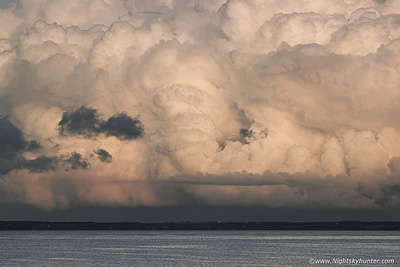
pixel 242 103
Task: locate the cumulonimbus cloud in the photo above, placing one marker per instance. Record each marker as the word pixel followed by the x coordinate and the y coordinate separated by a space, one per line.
pixel 241 103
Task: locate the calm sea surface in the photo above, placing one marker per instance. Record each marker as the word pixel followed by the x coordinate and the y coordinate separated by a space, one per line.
pixel 195 248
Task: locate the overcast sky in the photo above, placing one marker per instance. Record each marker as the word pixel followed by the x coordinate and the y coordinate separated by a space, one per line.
pixel 199 110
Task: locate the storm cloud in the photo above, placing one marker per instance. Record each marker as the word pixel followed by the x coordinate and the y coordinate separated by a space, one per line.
pixel 87 122
pixel 83 121
pixel 103 155
pixel 123 127
pixel 75 161
pixel 39 164
pixel 11 138
pixel 13 146
pixel 278 104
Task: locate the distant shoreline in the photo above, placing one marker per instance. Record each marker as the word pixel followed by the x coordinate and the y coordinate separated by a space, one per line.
pixel 217 225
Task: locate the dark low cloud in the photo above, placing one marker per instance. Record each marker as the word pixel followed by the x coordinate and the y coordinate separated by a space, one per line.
pixel 6 163
pixel 103 155
pixel 11 138
pixel 75 161
pixel 123 127
pixel 39 164
pixel 11 155
pixel 86 122
pixel 246 132
pixel 13 144
pixel 82 121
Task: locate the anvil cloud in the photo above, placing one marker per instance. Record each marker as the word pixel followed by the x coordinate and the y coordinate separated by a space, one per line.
pixel 170 102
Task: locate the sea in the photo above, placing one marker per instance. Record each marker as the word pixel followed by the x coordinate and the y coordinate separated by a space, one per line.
pixel 200 248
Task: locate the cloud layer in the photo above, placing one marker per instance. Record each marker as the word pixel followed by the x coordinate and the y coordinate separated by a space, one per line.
pixel 162 103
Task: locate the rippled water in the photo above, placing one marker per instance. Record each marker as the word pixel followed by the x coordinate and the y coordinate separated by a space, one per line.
pixel 194 248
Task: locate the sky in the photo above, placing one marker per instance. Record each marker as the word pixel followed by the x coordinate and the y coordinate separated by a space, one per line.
pixel 4 3
pixel 172 110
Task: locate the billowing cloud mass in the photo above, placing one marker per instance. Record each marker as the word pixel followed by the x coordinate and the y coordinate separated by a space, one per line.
pixel 167 102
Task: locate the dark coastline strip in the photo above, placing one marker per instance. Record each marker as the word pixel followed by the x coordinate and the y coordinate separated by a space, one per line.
pixel 342 225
